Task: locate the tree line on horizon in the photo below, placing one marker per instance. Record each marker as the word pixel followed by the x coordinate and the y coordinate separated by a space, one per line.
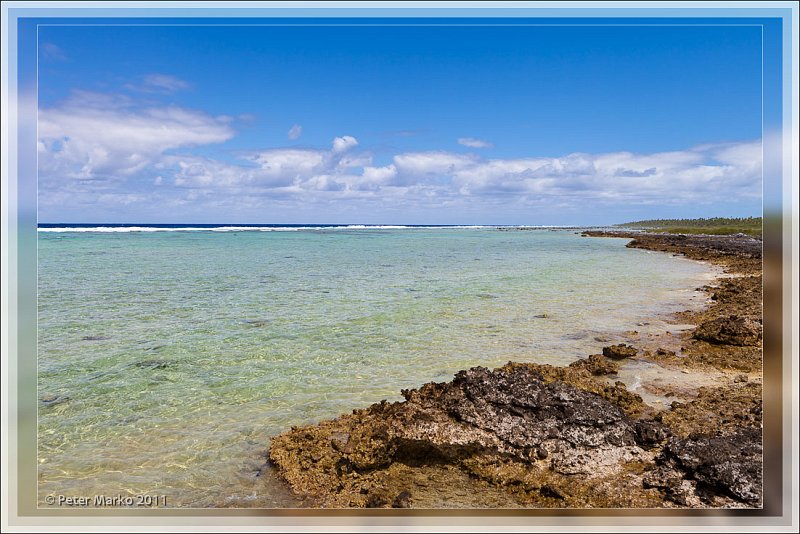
pixel 711 225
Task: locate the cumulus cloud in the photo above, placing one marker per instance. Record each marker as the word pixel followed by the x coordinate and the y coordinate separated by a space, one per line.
pixel 343 144
pixel 94 135
pixel 706 174
pixel 303 168
pixel 701 174
pixel 100 146
pixel 295 132
pixel 474 143
pixel 416 165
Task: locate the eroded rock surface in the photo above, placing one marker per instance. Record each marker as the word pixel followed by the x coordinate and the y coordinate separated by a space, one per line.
pixel 507 426
pixel 512 431
pixel 731 330
pixel 707 467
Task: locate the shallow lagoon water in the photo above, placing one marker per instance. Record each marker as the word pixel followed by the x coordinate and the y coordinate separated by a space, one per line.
pixel 166 360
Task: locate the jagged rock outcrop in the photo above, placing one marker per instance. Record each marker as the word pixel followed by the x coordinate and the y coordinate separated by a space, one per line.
pixel 704 467
pixel 501 425
pixel 730 330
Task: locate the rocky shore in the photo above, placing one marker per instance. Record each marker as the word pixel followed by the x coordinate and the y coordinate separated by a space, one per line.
pixel 539 436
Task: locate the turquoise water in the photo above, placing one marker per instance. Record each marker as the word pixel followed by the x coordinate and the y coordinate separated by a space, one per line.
pixel 168 359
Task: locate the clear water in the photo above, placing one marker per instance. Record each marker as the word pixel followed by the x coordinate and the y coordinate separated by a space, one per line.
pixel 168 359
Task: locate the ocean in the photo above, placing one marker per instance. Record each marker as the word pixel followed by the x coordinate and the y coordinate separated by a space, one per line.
pixel 169 355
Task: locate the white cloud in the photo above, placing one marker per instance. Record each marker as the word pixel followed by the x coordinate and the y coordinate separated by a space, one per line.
pixel 297 169
pixel 370 179
pixel 380 174
pixel 474 143
pixel 712 173
pixel 442 179
pixel 422 164
pixel 93 136
pixel 295 132
pixel 94 147
pixel 284 166
pixel 343 144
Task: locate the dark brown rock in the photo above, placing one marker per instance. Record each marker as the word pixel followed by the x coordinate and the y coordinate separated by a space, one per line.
pixel 596 365
pixel 730 463
pixel 650 433
pixel 619 352
pixel 522 410
pixel 731 330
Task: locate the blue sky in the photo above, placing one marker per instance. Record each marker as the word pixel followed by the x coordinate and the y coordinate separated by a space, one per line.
pixel 398 124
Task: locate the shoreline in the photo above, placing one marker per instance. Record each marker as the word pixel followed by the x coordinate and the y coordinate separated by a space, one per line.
pixel 540 436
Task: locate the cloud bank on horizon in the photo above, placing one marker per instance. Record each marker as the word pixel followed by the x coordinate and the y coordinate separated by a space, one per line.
pixel 329 141
pixel 101 151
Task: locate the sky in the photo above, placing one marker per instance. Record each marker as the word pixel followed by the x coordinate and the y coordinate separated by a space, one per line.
pixel 395 124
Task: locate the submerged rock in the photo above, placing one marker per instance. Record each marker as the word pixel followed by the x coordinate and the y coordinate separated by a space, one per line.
pixel 53 400
pixel 731 330
pixel 153 364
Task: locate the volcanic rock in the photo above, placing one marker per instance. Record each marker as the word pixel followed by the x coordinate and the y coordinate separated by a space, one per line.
pixel 730 464
pixel 731 330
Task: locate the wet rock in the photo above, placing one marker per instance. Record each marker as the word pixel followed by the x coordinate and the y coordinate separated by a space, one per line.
pixel 575 335
pixel 596 365
pixel 619 352
pixel 257 323
pixel 53 400
pixel 153 364
pixel 731 330
pixel 730 464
